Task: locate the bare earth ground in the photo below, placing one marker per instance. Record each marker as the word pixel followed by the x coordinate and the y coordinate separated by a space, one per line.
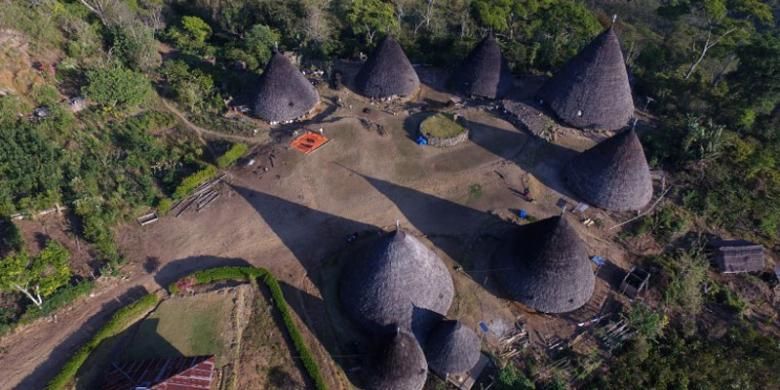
pixel 299 213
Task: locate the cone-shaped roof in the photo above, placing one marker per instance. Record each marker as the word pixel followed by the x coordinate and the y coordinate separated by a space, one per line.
pixel 283 93
pixel 546 267
pixel 592 89
pixel 452 348
pixel 613 174
pixel 398 364
pixel 396 281
pixel 484 72
pixel 387 72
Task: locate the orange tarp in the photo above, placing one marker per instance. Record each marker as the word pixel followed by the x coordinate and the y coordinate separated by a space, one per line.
pixel 308 142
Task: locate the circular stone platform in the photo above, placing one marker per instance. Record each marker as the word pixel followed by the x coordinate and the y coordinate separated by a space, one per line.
pixel 442 130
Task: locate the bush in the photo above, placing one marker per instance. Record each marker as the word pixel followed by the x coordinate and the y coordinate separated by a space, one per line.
pixel 116 86
pixel 232 155
pixel 193 181
pixel 59 299
pixel 118 323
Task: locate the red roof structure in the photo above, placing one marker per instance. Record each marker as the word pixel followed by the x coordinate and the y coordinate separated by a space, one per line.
pixel 179 373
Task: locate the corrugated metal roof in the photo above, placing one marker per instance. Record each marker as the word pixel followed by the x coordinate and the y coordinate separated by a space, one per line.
pixel 180 373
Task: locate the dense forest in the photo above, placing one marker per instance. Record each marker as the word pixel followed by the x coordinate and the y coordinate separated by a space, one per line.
pixel 705 74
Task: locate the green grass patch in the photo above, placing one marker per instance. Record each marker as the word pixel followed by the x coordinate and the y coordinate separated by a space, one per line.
pixel 441 125
pixel 183 326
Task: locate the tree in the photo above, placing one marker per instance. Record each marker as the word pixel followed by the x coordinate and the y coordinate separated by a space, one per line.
pixel 191 35
pixel 259 41
pixel 717 23
pixel 369 17
pixel 39 276
pixel 116 86
pixel 135 44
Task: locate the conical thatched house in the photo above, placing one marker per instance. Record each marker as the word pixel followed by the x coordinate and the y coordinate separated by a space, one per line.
pixel 387 73
pixel 396 281
pixel 592 89
pixel 283 94
pixel 484 72
pixel 613 174
pixel 452 348
pixel 399 364
pixel 546 267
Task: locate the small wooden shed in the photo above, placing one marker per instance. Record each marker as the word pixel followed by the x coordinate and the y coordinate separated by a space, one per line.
pixel 734 256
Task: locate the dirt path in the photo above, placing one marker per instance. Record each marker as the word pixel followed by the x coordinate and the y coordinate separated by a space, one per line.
pixel 216 134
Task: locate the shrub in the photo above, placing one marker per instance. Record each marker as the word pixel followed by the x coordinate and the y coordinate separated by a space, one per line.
pixel 116 86
pixel 118 323
pixel 193 181
pixel 234 153
pixel 164 206
pixel 59 299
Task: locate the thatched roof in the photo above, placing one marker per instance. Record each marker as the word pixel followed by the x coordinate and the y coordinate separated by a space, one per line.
pixel 283 93
pixel 484 72
pixel 452 348
pixel 396 280
pixel 398 364
pixel 734 256
pixel 592 89
pixel 546 267
pixel 613 174
pixel 387 72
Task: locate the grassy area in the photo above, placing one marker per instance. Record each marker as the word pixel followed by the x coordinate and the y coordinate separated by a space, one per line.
pixel 188 326
pixel 441 126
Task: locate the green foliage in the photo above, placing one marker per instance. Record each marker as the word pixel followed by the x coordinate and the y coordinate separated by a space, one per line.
pixel 123 318
pixel 648 323
pixel 728 298
pixel 232 155
pixel 258 42
pixel 134 43
pixel 247 273
pixel 10 236
pixel 30 167
pixel 191 35
pixel 369 17
pixel 38 277
pixel 117 87
pixel 511 378
pixel 684 271
pixel 59 299
pixel 193 181
pixel 192 87
pixel 742 359
pixel 664 224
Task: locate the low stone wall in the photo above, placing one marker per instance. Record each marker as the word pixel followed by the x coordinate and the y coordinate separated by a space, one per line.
pixel 448 142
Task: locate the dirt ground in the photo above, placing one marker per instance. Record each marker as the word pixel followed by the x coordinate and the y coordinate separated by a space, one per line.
pixel 299 213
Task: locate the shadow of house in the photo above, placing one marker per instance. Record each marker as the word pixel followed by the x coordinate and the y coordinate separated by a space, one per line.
pixel 123 348
pixel 60 354
pixel 542 159
pixel 312 236
pixel 412 124
pixel 455 229
pixel 177 269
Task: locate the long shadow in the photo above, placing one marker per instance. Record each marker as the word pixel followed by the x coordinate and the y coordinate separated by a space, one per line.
pixel 312 236
pixel 542 159
pixel 455 229
pixel 124 348
pixel 347 348
pixel 412 124
pixel 59 355
pixel 177 269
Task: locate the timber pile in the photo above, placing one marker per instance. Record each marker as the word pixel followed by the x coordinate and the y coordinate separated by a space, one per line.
pixel 202 197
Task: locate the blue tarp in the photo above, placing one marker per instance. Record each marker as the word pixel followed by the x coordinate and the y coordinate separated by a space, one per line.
pixel 598 260
pixel 522 214
pixel 421 140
